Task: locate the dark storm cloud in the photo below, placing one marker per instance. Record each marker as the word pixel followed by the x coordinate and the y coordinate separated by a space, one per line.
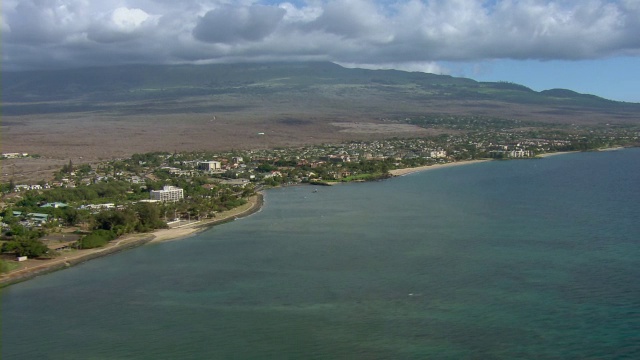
pixel 229 24
pixel 355 19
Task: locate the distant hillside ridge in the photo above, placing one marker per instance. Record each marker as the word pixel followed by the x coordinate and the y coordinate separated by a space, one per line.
pixel 101 88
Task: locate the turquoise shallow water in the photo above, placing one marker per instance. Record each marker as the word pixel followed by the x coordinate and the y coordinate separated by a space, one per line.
pixel 536 259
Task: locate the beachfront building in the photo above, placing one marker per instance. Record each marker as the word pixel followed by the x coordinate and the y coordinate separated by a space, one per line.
pixel 517 153
pixel 437 154
pixel 168 193
pixel 209 165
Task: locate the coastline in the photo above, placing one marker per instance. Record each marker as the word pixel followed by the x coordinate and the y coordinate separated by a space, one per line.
pixel 407 171
pixel 253 205
pixel 546 155
pixel 36 267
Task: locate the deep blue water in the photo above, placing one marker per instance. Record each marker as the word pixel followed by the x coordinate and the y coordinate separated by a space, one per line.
pixel 532 259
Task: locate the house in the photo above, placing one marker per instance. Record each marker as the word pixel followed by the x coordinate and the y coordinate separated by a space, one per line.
pixel 54 205
pixel 38 217
pixel 98 206
pixel 14 155
pixel 176 171
pixel 339 158
pixel 273 174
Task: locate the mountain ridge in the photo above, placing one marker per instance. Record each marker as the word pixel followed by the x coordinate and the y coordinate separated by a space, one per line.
pixel 129 75
pixel 124 87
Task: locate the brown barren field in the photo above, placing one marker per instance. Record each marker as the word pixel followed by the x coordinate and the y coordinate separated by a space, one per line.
pixel 88 138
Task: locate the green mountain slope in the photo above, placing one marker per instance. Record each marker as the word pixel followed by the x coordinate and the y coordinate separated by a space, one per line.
pixel 321 85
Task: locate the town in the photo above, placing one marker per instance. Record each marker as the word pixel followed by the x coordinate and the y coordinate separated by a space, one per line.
pixel 86 206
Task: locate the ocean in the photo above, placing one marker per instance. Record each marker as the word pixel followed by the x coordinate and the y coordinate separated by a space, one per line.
pixel 523 259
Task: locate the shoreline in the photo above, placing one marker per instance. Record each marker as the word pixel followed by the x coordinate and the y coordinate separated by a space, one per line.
pixel 407 171
pixel 253 205
pixel 546 155
pixel 36 267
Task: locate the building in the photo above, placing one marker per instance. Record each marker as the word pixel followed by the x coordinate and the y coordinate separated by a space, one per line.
pixel 168 193
pixel 438 154
pixel 55 205
pixel 38 218
pixel 14 155
pixel 209 165
pixel 98 207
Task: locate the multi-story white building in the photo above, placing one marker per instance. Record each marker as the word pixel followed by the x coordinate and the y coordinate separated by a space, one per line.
pixel 168 193
pixel 209 165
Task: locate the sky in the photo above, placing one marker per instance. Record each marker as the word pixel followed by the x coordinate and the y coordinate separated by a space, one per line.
pixel 589 46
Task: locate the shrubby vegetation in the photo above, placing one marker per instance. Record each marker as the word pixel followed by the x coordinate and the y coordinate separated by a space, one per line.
pixel 97 238
pixel 26 247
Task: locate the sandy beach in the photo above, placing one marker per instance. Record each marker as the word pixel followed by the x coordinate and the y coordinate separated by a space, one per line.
pixel 34 267
pixel 253 204
pixel 546 155
pixel 406 171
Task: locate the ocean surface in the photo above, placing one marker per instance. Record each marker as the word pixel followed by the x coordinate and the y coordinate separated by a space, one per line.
pixel 527 259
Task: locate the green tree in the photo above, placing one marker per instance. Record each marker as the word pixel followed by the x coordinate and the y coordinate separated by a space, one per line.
pixel 67 169
pixel 264 167
pixel 149 217
pixel 97 238
pixel 25 246
pixel 8 217
pixel 124 221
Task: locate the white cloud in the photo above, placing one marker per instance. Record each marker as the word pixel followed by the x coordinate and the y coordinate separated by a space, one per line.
pixel 427 67
pixel 128 19
pixel 121 24
pixel 402 34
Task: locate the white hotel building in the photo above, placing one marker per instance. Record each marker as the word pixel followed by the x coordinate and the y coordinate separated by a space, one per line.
pixel 168 193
